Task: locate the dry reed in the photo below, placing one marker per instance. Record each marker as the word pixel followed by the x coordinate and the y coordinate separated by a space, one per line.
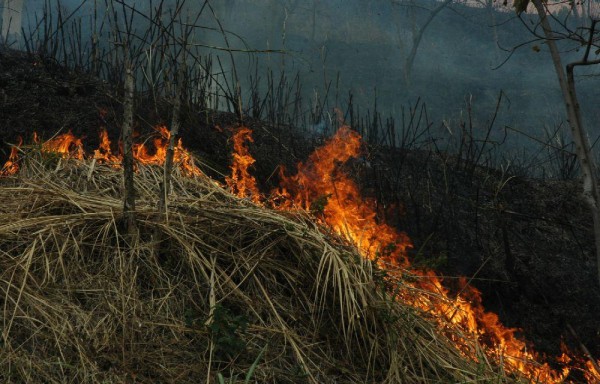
pixel 232 287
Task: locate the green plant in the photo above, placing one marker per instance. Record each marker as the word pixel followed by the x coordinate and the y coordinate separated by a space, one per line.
pixel 249 374
pixel 226 329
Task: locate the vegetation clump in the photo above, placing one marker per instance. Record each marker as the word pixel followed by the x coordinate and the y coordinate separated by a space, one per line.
pixel 231 291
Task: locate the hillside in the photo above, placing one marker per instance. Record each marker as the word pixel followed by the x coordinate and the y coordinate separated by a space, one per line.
pixel 221 286
pixel 289 294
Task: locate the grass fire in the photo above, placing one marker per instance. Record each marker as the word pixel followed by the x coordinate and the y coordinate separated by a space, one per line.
pixel 320 187
pixel 277 192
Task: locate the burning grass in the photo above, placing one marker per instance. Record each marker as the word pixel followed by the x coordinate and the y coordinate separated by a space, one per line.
pixel 231 288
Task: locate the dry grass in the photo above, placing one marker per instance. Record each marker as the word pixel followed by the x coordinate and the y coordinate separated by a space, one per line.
pixel 229 282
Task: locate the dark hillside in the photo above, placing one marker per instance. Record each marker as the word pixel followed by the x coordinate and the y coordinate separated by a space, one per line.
pixel 525 243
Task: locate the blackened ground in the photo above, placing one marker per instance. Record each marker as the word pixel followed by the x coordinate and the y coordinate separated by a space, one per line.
pixel 526 244
pixel 38 95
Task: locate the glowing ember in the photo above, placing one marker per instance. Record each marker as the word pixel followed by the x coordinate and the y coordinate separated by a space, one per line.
pixel 241 183
pixel 11 166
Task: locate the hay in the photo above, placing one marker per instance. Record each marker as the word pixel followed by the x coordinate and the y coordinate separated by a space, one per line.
pixel 229 288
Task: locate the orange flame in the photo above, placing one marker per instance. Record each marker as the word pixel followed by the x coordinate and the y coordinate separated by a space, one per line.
pixel 181 157
pixel 11 166
pixel 321 186
pixel 241 183
pixel 68 146
pixel 103 154
pixel 592 375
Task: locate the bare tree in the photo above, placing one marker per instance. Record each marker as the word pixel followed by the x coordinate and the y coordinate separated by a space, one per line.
pixel 12 15
pixel 127 132
pixel 418 32
pixel 124 35
pixel 567 85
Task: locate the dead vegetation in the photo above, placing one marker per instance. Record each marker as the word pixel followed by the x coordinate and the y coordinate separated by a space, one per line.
pixel 235 290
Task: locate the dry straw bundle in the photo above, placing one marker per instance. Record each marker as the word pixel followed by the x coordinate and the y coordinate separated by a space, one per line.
pixel 232 292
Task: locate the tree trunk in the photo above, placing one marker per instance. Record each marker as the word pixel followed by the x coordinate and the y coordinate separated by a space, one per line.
pixel 129 198
pixel 12 16
pixel 410 59
pixel 582 144
pixel 174 132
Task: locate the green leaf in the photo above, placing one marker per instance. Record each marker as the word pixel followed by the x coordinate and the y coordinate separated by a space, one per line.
pixel 254 365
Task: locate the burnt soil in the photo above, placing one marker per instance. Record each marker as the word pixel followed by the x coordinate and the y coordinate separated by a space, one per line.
pixel 526 244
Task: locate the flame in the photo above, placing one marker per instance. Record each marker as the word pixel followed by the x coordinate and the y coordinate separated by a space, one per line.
pixel 181 157
pixel 103 154
pixel 69 146
pixel 66 145
pixel 321 186
pixel 11 166
pixel 592 374
pixel 241 183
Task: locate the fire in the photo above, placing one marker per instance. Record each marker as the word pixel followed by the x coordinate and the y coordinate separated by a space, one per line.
pixel 592 375
pixel 323 187
pixel 241 182
pixel 11 166
pixel 181 157
pixel 68 146
pixel 104 154
pixel 465 312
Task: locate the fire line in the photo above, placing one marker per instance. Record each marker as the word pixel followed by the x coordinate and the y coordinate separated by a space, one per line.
pixel 321 186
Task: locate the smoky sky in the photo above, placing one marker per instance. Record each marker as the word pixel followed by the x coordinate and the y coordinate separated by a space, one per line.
pixel 337 48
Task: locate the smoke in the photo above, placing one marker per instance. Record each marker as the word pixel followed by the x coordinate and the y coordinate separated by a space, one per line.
pixel 342 47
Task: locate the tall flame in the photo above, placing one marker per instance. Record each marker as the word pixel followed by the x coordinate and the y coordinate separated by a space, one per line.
pixel 241 182
pixel 104 154
pixel 321 186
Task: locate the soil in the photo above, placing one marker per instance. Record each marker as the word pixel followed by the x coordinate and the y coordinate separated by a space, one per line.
pixel 526 244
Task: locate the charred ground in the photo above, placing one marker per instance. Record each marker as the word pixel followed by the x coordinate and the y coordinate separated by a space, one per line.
pixel 525 243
